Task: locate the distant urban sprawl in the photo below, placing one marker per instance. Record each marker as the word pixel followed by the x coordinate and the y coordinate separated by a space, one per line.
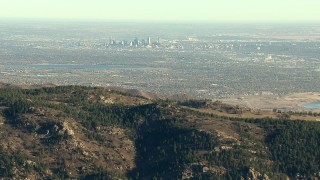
pixel 209 61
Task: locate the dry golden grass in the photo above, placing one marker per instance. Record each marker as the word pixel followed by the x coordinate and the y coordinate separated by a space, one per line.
pixel 256 114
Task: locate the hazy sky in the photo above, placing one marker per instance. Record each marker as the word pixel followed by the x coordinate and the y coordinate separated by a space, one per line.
pixel 164 10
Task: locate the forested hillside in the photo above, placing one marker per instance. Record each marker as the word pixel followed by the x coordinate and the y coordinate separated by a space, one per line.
pixel 75 132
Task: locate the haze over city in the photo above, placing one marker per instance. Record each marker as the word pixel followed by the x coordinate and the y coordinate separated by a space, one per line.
pixel 164 10
pixel 202 48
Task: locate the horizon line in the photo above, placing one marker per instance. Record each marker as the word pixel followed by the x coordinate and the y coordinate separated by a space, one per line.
pixel 64 20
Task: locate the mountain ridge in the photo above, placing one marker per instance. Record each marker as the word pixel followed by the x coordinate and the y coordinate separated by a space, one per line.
pixel 78 132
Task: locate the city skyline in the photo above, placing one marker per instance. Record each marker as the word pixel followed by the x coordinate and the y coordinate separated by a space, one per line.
pixel 165 10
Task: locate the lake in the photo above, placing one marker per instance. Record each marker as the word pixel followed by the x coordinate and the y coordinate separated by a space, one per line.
pixel 78 66
pixel 314 105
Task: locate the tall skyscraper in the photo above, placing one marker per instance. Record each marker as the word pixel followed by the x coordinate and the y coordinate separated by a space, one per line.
pixel 136 42
pixel 149 40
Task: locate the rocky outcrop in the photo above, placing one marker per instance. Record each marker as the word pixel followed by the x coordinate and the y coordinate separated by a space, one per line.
pixel 63 129
pixel 255 175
